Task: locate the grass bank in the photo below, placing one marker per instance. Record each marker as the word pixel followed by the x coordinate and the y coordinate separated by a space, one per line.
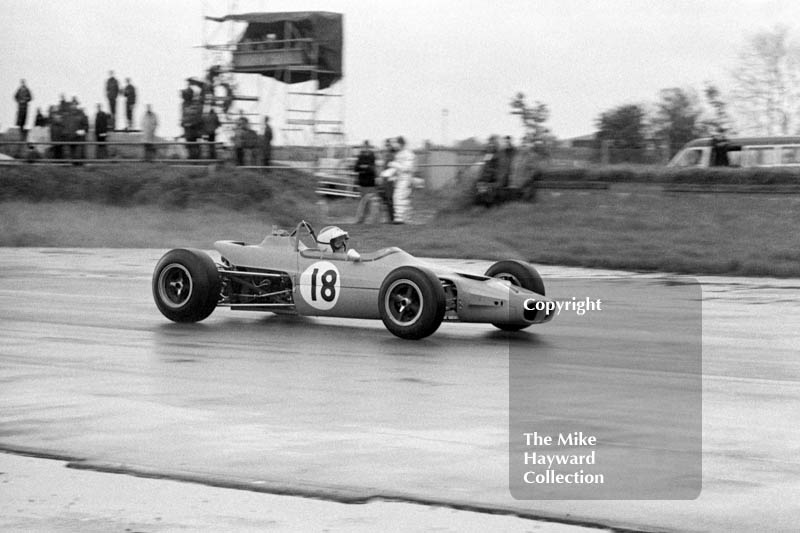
pixel 282 192
pixel 660 174
pixel 637 229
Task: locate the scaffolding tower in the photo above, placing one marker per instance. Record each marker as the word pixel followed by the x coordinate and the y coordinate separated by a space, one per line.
pixel 302 53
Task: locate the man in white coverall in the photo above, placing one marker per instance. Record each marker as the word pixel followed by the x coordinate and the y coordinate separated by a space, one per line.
pixel 403 166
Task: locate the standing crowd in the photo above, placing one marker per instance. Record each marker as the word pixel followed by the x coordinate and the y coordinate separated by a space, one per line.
pixel 386 186
pixel 67 122
pixel 199 119
pixel 246 143
pixel 113 92
pixel 503 168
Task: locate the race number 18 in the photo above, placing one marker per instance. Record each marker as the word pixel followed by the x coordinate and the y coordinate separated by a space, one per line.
pixel 320 285
pixel 328 281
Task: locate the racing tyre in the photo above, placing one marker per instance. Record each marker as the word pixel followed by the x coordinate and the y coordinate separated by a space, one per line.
pixel 411 302
pixel 186 285
pixel 519 274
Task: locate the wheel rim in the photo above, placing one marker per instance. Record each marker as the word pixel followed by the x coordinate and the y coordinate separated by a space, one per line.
pixel 404 302
pixel 174 285
pixel 508 277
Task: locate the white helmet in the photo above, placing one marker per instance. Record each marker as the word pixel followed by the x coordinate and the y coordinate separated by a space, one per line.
pixel 333 239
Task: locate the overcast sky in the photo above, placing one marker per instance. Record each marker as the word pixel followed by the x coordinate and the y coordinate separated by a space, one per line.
pixel 405 61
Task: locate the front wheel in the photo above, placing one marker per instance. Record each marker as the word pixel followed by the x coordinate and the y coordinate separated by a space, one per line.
pixel 518 274
pixel 411 302
pixel 186 285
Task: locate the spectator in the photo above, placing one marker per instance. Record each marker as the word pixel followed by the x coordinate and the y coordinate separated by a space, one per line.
pixel 719 151
pixel 240 137
pixel 267 142
pixel 101 122
pixel 387 186
pixel 403 165
pixel 22 96
pixel 130 101
pixel 365 166
pixel 523 172
pixel 112 92
pixel 211 74
pixel 40 121
pixel 83 130
pixel 486 186
pixel 57 130
pixel 210 125
pixel 505 162
pixel 76 125
pixel 365 170
pixel 39 136
pixel 70 121
pixel 187 94
pixel 193 125
pixel 149 125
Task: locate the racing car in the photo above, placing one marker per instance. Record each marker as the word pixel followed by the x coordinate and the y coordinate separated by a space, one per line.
pixel 300 273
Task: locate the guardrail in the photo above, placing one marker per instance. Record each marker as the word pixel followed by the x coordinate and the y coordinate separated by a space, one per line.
pixel 339 180
pixel 75 152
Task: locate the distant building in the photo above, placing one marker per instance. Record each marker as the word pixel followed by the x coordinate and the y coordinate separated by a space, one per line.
pixel 584 141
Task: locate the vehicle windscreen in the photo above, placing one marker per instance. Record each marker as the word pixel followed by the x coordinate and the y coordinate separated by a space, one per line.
pixel 691 157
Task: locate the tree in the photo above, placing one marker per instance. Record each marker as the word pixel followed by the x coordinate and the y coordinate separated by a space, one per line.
pixel 533 120
pixel 767 83
pixel 622 129
pixel 677 118
pixel 719 123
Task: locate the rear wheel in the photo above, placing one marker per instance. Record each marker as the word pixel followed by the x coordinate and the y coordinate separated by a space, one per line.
pixel 411 302
pixel 186 285
pixel 518 274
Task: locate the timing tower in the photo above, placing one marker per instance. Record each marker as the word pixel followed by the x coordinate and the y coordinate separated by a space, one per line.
pixel 301 52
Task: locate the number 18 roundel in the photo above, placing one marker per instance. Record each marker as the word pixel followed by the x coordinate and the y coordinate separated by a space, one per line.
pixel 320 285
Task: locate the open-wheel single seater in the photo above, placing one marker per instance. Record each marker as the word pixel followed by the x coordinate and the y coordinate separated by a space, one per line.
pixel 292 273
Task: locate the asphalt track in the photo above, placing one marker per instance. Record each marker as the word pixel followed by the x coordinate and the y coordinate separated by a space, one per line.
pixel 91 372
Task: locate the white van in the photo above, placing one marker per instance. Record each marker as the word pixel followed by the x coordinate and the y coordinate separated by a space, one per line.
pixel 739 152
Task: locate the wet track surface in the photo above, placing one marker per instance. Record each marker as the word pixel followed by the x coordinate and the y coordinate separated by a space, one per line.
pixel 90 370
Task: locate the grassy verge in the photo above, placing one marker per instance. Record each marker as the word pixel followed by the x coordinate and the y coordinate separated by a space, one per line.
pixel 282 192
pixel 751 235
pixel 660 174
pixel 85 224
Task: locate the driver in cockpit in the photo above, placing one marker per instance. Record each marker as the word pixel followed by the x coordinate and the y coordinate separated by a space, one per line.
pixel 334 239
